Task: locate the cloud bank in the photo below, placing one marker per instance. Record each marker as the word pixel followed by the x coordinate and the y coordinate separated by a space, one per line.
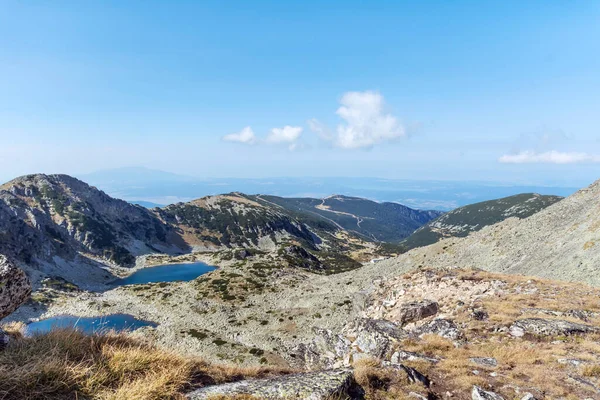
pixel 549 157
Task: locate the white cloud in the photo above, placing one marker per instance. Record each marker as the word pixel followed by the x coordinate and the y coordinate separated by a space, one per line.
pixel 287 134
pixel 245 136
pixel 549 157
pixel 365 121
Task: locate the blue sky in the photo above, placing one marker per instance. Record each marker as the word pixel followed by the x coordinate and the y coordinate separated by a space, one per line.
pixel 504 91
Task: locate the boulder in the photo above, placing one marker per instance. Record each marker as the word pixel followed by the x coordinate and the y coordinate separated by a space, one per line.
pixel 549 327
pixel 479 394
pixel 14 287
pixel 375 337
pixel 441 327
pixel 319 385
pixel 415 311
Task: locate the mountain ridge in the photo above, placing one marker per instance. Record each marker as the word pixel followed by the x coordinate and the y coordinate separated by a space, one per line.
pixel 462 221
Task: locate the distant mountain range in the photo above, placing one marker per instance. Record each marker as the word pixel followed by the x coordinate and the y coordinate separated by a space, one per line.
pixel 142 184
pixel 59 225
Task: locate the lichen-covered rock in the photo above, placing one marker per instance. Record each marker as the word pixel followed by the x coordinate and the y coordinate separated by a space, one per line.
pixel 14 287
pixel 479 394
pixel 326 350
pixel 415 311
pixel 441 327
pixel 549 327
pixel 375 337
pixel 308 386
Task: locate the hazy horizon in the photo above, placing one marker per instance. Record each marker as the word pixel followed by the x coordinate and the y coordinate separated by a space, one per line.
pixel 495 91
pixel 156 188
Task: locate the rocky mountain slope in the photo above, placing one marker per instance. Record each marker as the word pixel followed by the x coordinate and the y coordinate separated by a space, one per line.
pixel 58 225
pixel 62 225
pixel 383 222
pixel 464 220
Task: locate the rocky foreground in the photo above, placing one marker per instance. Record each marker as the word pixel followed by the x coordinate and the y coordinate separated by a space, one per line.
pixel 429 333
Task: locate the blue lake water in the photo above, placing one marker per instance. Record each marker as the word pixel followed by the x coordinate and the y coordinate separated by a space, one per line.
pixel 118 322
pixel 166 273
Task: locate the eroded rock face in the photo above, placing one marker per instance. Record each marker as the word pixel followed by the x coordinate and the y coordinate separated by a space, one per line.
pixel 14 287
pixel 309 386
pixel 415 311
pixel 479 394
pixel 549 327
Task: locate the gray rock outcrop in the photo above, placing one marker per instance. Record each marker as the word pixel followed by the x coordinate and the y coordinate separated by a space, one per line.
pixel 14 287
pixel 309 386
pixel 416 311
pixel 549 327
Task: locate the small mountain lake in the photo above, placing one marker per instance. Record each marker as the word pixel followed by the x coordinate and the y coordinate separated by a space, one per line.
pixel 118 322
pixel 166 273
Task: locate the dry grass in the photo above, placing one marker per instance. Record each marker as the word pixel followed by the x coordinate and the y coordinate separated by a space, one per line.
pixel 383 383
pixel 66 364
pixel 591 370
